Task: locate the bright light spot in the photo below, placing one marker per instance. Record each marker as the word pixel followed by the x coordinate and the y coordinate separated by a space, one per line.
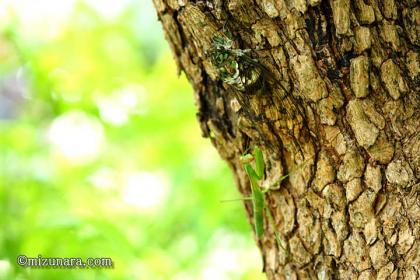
pixel 76 136
pixel 5 12
pixel 186 246
pixel 109 8
pixel 47 18
pixel 221 262
pixel 145 190
pixel 5 269
pixel 230 256
pixel 104 178
pixel 207 161
pixel 117 107
pixel 42 19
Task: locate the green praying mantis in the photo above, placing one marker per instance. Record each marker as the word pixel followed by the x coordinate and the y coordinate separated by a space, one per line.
pixel 258 192
pixel 259 204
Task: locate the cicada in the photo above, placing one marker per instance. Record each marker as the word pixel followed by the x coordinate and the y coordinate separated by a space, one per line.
pixel 235 66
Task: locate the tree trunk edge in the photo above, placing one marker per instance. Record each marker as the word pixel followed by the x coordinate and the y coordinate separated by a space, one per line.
pixel 342 97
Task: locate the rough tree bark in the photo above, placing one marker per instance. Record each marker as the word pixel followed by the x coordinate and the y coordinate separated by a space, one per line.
pixel 338 90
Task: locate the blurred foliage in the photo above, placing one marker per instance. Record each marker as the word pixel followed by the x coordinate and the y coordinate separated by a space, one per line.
pixel 101 154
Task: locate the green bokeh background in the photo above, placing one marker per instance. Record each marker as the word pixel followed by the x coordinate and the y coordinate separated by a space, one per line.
pixel 101 154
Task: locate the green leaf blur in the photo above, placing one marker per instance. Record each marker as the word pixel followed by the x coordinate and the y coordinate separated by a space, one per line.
pixel 101 154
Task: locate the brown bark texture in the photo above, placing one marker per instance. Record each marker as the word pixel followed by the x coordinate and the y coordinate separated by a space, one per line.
pixel 332 99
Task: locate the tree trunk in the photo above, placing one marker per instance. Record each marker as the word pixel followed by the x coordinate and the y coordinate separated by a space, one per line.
pixel 329 90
